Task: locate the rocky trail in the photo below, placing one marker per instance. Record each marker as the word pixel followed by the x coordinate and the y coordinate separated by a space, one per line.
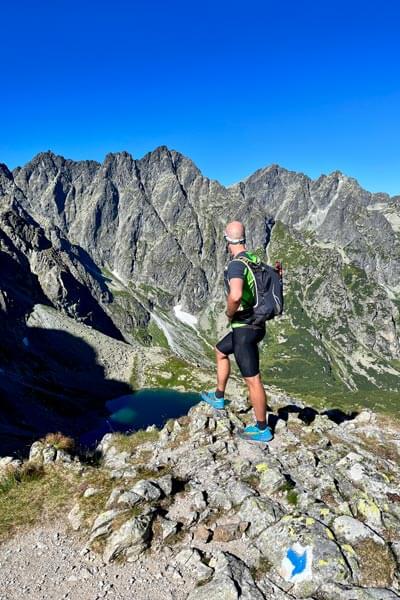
pixel 191 511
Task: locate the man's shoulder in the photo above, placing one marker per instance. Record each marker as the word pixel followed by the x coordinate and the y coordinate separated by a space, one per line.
pixel 236 268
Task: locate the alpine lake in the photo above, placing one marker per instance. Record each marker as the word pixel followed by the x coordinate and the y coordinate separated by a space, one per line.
pixel 139 410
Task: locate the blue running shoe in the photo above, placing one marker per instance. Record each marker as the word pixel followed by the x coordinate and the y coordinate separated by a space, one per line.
pixel 253 434
pixel 212 400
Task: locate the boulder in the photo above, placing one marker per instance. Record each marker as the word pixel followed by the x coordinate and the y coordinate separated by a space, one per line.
pixel 76 517
pixel 130 539
pixel 147 490
pixel 232 580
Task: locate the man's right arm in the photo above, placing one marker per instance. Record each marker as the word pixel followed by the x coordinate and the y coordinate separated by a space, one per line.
pixel 234 297
pixel 235 274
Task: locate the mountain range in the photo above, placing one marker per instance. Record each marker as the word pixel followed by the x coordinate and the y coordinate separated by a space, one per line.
pixel 134 249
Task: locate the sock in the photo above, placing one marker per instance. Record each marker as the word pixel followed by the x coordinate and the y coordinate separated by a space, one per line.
pixel 262 425
pixel 219 394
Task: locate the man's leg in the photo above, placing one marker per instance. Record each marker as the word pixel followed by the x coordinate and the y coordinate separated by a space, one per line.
pixel 222 351
pixel 223 370
pixel 257 397
pixel 246 341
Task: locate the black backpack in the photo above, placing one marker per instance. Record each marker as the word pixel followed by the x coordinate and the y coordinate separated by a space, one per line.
pixel 269 292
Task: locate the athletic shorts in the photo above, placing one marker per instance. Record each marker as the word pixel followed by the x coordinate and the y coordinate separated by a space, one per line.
pixel 242 342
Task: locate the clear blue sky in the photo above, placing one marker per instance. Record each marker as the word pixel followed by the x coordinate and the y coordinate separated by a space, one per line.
pixel 312 86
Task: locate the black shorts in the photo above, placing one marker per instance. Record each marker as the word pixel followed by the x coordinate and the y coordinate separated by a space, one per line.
pixel 242 342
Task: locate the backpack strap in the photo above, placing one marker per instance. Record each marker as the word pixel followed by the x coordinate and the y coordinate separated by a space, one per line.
pixel 246 261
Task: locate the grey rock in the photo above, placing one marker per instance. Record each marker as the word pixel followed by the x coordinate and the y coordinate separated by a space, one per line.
pixel 9 462
pixel 271 480
pixel 62 222
pixel 168 528
pixel 237 491
pixel 129 498
pixel 113 497
pixel 198 501
pixel 232 580
pixel 260 513
pixel 76 517
pixel 49 454
pixel 306 537
pixel 332 591
pixel 165 483
pixel 90 491
pixel 130 539
pixel 351 530
pixel 102 524
pixel 147 490
pixel 191 559
pixel 63 457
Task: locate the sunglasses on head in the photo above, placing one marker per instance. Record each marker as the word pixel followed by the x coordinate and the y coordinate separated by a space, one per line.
pixel 234 241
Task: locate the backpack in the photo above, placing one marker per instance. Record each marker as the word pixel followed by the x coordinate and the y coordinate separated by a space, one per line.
pixel 269 292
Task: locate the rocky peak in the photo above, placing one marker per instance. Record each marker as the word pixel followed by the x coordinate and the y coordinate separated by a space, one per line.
pixel 6 180
pixel 118 166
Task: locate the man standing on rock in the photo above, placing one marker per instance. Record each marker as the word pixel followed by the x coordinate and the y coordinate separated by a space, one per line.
pixel 243 339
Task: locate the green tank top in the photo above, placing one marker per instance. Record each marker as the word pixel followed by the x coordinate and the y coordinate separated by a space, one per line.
pixel 237 268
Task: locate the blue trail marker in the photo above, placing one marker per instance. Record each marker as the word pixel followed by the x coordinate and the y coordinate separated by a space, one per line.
pixel 299 561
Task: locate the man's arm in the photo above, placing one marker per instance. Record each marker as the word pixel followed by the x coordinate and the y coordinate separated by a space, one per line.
pixel 234 297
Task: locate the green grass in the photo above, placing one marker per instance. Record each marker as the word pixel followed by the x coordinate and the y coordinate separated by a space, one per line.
pixel 262 568
pixel 129 442
pixel 28 500
pixel 157 335
pixel 173 373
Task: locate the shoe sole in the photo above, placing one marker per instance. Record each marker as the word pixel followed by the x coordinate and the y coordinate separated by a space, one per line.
pixel 212 405
pixel 252 441
pixel 215 407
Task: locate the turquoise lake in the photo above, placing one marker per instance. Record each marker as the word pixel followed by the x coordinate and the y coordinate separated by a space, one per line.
pixel 139 410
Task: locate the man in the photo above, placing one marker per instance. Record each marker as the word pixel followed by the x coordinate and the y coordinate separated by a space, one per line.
pixel 243 339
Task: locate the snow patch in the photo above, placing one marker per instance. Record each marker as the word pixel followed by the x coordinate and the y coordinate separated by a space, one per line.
pixel 119 278
pixel 185 317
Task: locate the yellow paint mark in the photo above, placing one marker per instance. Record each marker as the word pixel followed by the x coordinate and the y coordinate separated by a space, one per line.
pixel 347 548
pixel 369 509
pixel 262 467
pixel 287 518
pixel 329 534
pixel 324 511
pixel 322 563
pixel 310 521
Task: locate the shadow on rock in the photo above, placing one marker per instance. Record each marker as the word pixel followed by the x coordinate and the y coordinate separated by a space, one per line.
pixel 307 414
pixel 50 381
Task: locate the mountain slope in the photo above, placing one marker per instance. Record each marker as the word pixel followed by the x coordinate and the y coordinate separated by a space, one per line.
pixel 148 236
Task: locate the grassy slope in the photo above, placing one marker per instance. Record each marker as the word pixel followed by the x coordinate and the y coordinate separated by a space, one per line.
pixel 304 352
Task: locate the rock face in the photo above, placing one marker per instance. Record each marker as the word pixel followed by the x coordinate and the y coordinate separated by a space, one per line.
pixel 119 244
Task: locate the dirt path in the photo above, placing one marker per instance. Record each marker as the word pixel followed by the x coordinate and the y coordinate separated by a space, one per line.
pixel 50 564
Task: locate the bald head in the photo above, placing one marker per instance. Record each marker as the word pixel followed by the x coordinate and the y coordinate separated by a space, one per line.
pixel 235 230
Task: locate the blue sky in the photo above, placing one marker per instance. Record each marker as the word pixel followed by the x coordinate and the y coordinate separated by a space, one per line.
pixel 312 86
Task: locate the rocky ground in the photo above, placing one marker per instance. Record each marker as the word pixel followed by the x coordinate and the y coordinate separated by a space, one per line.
pixel 194 512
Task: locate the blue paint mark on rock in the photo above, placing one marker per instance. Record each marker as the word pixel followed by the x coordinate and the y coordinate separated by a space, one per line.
pixel 299 561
